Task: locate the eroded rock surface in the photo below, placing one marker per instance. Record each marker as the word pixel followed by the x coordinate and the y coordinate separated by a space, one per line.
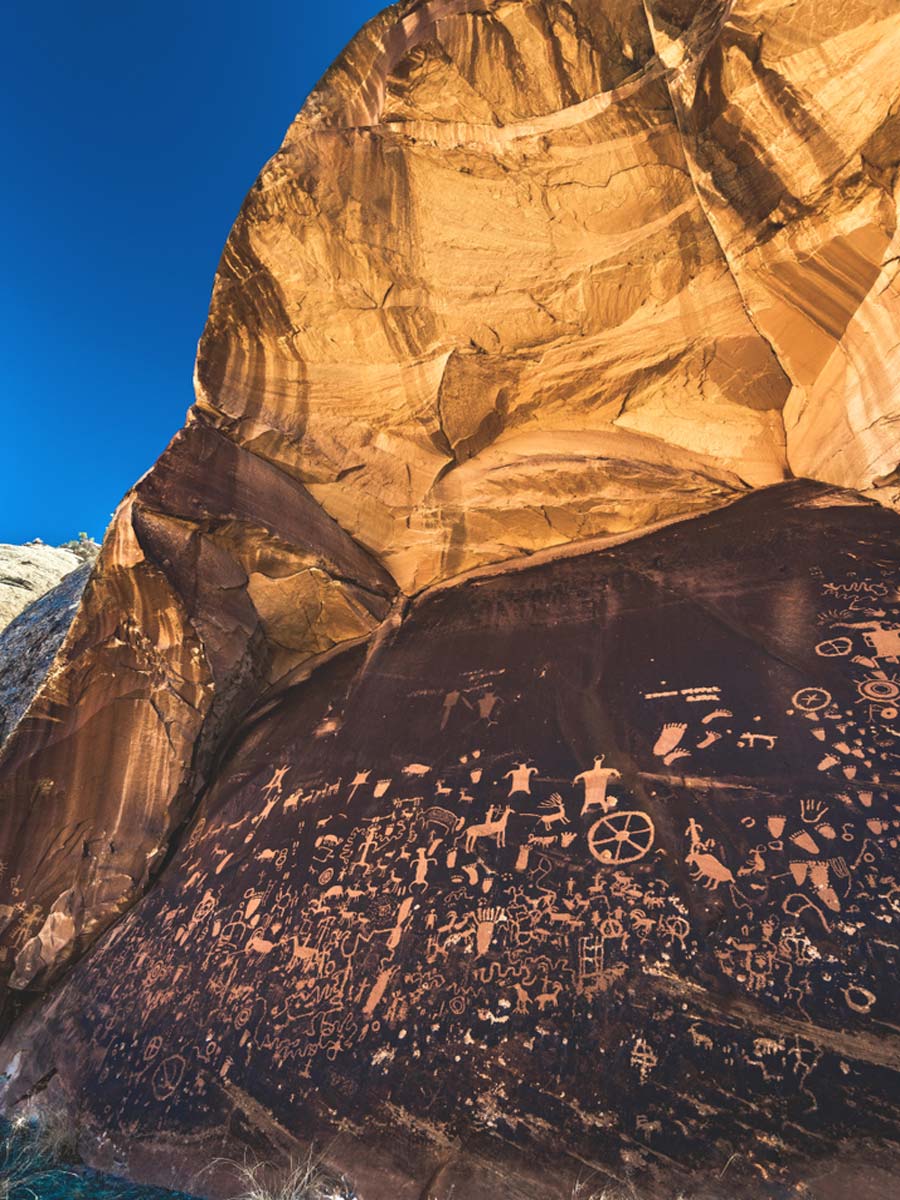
pixel 175 636
pixel 28 572
pixel 527 279
pixel 522 274
pixel 590 870
pixel 28 645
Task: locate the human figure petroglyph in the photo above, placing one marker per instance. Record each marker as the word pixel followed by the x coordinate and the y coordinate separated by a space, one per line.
pixel 520 778
pixel 368 843
pixel 882 640
pixel 596 781
pixel 643 1058
pixel 422 864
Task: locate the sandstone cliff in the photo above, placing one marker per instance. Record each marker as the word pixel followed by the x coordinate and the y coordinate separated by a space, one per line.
pixel 526 278
pixel 521 274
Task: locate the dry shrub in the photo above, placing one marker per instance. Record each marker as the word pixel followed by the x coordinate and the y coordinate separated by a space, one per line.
pixel 306 1179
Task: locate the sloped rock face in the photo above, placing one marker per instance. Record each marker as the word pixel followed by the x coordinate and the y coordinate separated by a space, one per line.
pixel 588 870
pixel 172 640
pixel 28 572
pixel 29 644
pixel 526 280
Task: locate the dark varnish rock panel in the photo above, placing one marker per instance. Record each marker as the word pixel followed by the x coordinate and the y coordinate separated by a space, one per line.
pixel 589 872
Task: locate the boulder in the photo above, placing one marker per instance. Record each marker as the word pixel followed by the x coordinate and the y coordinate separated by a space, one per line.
pixel 28 572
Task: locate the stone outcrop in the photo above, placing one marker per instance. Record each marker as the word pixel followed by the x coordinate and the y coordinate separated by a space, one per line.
pixel 176 635
pixel 28 572
pixel 528 279
pixel 28 645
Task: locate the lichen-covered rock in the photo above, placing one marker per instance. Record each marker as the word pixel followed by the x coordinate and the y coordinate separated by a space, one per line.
pixel 28 645
pixel 28 572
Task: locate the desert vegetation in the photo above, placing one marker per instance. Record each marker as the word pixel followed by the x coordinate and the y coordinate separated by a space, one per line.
pixel 306 1178
pixel 39 1160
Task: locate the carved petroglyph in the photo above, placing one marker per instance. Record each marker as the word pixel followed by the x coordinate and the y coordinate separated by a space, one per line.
pixel 621 837
pixel 520 778
pixel 596 781
pixel 706 867
pixel 481 903
pixel 494 827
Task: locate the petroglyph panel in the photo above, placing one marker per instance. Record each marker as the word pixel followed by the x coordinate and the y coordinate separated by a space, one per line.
pixel 604 851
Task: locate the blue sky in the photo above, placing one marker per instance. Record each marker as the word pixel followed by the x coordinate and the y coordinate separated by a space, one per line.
pixel 131 133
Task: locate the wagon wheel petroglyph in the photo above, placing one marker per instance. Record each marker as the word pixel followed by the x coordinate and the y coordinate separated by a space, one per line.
pixel 621 837
pixel 834 647
pixel 811 699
